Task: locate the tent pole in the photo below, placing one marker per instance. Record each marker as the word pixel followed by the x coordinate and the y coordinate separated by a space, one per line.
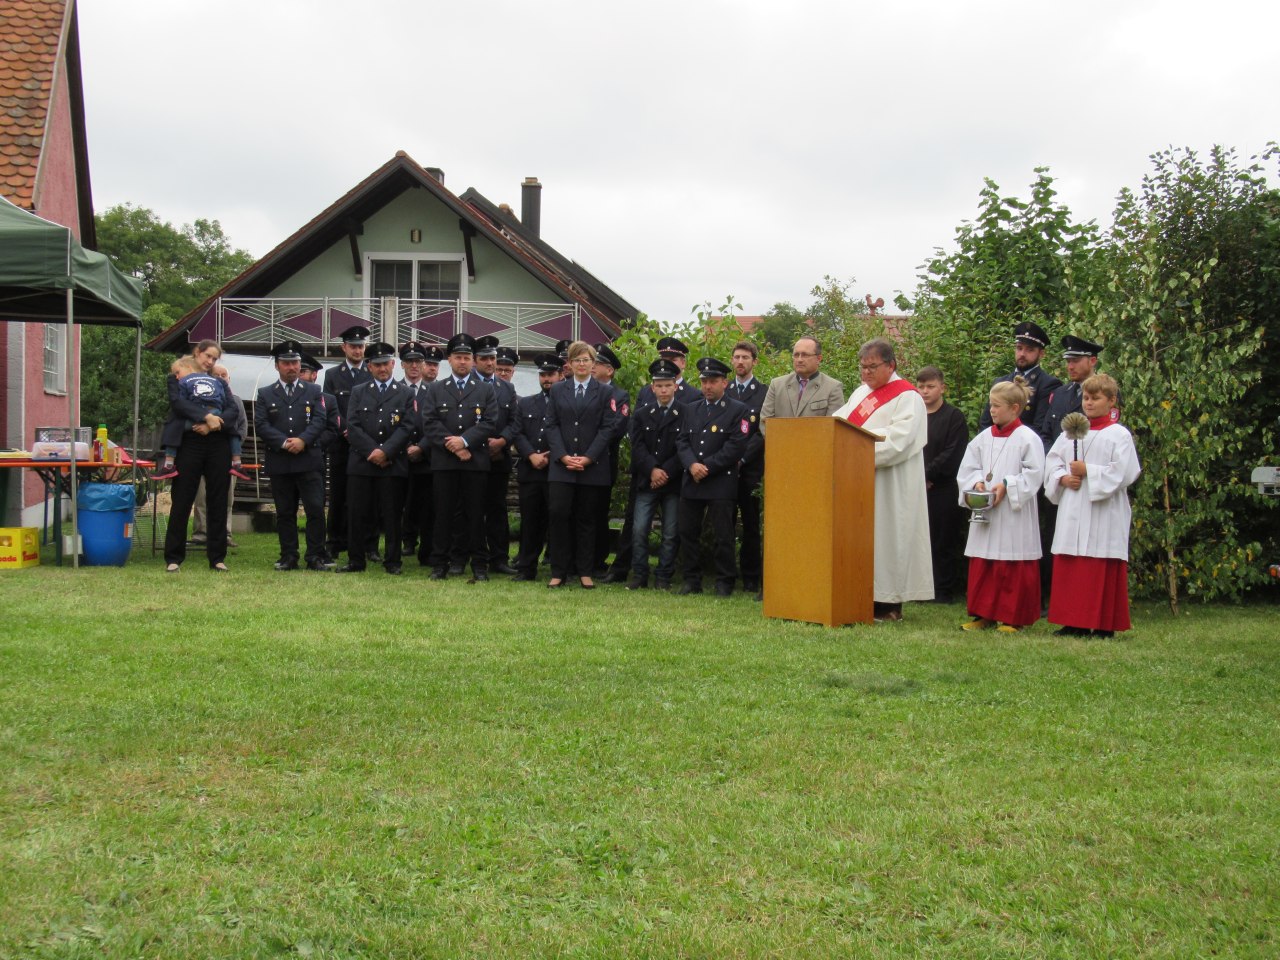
pixel 137 387
pixel 72 371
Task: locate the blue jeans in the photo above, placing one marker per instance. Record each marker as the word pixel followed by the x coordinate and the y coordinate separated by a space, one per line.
pixel 647 502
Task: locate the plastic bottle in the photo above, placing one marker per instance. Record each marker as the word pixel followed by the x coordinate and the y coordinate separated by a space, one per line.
pixel 100 444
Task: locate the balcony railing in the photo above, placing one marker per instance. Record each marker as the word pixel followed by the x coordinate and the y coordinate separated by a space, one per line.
pixel 318 322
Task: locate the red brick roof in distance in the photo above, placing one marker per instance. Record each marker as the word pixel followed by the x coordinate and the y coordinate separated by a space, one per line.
pixel 30 31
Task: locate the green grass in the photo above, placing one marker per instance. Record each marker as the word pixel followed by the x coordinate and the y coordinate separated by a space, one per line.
pixel 258 763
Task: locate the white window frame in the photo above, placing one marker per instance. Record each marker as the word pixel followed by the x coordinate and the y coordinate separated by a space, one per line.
pixel 55 358
pixel 416 257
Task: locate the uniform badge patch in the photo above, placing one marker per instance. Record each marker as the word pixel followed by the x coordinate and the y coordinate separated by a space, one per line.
pixel 745 428
pixel 613 404
pixel 626 412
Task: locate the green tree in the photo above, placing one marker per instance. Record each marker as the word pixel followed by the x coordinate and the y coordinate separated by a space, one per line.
pixel 179 268
pixel 1183 304
pixel 779 326
pixel 1016 261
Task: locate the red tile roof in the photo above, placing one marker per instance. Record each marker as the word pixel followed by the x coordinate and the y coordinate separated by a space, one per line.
pixel 30 32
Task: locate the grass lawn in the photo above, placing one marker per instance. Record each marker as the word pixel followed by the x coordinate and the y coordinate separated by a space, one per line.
pixel 257 763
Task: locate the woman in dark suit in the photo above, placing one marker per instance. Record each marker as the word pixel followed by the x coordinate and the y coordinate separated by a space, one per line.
pixel 582 417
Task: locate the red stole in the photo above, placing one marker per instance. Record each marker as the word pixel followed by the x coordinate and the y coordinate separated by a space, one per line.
pixel 1106 420
pixel 873 400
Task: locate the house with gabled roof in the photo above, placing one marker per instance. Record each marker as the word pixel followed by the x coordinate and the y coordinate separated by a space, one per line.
pixel 402 255
pixel 44 169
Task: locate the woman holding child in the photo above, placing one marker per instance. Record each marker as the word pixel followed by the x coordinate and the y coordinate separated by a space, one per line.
pixel 202 425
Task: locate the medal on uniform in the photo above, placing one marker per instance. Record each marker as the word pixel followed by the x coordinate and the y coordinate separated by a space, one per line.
pixel 477 411
pixel 714 428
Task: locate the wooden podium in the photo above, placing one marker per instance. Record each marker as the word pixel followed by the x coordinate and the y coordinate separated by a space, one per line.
pixel 819 520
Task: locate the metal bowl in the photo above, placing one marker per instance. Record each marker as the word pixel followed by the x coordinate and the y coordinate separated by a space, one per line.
pixel 978 499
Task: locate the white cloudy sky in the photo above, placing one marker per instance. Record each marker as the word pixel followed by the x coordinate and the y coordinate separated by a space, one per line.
pixel 687 150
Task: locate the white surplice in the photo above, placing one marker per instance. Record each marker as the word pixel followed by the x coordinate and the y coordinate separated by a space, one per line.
pixel 1094 520
pixel 1017 460
pixel 904 565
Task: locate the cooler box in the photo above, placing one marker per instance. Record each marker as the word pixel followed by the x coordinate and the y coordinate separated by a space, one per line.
pixel 105 519
pixel 19 547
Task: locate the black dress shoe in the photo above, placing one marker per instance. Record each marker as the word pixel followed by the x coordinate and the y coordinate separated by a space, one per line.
pixel 616 576
pixel 320 564
pixel 480 576
pixel 587 586
pixel 455 569
pixel 440 573
pixel 393 568
pixel 554 584
pixel 750 586
pixel 689 588
pixel 522 578
pixel 286 565
pixel 349 568
pixel 662 584
pixel 724 589
pixel 373 556
pixel 504 568
pixel 637 583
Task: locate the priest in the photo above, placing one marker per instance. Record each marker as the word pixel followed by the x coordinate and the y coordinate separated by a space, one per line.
pixel 889 406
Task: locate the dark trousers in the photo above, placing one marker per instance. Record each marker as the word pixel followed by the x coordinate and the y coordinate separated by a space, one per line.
pixel 207 458
pixel 535 508
pixel 367 499
pixel 459 502
pixel 336 533
pixel 572 517
pixel 720 515
pixel 419 516
pixel 622 559
pixel 946 520
pixel 497 531
pixel 750 564
pixel 287 489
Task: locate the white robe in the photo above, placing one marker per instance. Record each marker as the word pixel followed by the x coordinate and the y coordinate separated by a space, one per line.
pixel 904 565
pixel 1094 520
pixel 1013 532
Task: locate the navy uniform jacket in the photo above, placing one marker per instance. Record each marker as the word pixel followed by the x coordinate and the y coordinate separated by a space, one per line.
pixel 714 435
pixel 470 415
pixel 1066 398
pixel 382 419
pixel 753 399
pixel 276 417
pixel 653 443
pixel 1041 384
pixel 417 467
pixel 531 436
pixel 506 423
pixel 340 381
pixel 581 432
pixel 334 428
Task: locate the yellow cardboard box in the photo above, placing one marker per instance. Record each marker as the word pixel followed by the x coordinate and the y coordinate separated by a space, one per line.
pixel 19 547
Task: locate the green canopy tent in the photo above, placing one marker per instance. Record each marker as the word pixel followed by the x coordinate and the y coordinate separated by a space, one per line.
pixel 46 276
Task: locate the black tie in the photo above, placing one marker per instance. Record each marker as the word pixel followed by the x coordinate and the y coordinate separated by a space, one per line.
pixel 288 391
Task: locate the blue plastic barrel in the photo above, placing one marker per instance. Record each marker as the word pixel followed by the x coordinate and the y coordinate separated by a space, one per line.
pixel 105 518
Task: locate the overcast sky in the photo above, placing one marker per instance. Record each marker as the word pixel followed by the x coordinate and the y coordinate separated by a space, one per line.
pixel 687 150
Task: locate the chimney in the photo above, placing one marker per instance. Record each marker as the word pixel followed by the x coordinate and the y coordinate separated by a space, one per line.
pixel 531 205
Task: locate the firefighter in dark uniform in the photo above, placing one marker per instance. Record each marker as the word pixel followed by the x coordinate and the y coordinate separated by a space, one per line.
pixel 290 419
pixel 582 419
pixel 1081 357
pixel 381 417
pixel 655 476
pixel 458 417
pixel 1029 343
pixel 497 532
pixel 713 438
pixel 416 525
pixel 747 390
pixel 606 367
pixel 532 467
pixel 339 381
pixel 673 350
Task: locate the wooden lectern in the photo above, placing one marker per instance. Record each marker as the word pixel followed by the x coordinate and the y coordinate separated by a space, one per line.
pixel 819 520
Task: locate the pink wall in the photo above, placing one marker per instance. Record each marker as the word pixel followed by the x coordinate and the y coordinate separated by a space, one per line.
pixel 55 198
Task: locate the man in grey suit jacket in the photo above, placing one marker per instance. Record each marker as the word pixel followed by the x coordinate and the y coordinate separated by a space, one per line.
pixel 808 392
